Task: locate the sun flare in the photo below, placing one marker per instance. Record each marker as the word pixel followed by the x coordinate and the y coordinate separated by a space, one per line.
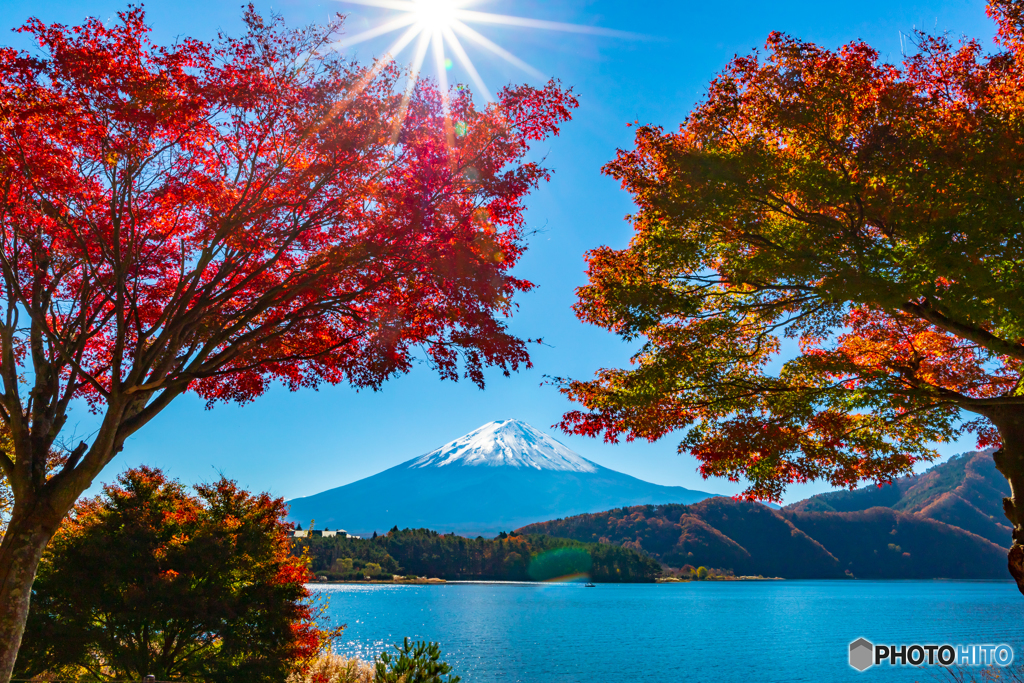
pixel 441 26
pixel 435 15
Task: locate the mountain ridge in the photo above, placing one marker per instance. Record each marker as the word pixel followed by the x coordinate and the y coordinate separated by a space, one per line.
pixel 902 530
pixel 965 491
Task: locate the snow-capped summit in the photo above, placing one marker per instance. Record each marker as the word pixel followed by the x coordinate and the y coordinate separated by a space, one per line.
pixel 509 443
pixel 501 476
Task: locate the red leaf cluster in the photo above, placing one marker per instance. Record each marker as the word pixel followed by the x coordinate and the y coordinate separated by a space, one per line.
pixel 216 216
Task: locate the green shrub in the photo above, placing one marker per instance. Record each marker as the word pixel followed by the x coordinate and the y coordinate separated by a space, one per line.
pixel 415 663
pixel 342 565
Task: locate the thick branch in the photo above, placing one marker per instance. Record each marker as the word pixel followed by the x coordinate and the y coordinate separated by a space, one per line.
pixel 979 336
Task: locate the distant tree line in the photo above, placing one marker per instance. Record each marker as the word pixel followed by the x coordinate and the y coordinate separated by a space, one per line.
pixel 509 557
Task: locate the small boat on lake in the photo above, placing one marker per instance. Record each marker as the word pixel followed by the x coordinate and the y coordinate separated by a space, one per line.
pixel 589 585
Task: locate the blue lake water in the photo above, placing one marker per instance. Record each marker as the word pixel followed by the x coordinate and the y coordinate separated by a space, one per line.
pixel 706 632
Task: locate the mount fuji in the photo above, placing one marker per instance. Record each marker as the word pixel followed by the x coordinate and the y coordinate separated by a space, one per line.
pixel 501 476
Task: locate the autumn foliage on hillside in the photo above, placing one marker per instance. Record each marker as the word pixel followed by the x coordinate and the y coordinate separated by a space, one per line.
pixel 966 491
pixel 752 539
pixel 826 270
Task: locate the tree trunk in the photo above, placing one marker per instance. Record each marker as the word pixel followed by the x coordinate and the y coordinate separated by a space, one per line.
pixel 20 552
pixel 1009 461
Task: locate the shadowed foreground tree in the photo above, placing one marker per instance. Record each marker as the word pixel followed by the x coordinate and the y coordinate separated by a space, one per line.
pixel 149 578
pixel 214 217
pixel 860 221
pixel 57 458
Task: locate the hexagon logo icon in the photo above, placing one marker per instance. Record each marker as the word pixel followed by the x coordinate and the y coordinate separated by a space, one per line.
pixel 861 654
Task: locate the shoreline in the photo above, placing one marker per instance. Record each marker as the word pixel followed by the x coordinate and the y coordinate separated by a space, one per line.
pixel 441 582
pixel 673 579
pixel 669 580
pixel 390 582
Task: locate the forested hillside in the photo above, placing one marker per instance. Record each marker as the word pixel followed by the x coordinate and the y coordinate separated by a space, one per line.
pixel 965 491
pixel 881 543
pixel 747 538
pixel 751 539
pixel 515 557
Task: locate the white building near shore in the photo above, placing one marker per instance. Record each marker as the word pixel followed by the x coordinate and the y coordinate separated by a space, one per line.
pixel 321 533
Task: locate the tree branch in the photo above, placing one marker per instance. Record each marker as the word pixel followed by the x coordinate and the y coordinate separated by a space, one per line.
pixel 981 337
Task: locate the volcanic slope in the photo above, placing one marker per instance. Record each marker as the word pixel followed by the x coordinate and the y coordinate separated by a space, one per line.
pixel 503 475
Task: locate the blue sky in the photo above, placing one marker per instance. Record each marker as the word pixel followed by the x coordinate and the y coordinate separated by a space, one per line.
pixel 295 444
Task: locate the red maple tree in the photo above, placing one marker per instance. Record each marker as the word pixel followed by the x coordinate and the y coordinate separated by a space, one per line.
pixel 826 270
pixel 217 216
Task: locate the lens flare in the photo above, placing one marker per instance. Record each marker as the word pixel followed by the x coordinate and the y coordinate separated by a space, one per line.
pixel 560 564
pixel 433 15
pixel 446 23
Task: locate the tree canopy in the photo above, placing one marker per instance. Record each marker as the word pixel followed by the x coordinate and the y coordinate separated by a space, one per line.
pixel 213 217
pixel 150 579
pixel 826 268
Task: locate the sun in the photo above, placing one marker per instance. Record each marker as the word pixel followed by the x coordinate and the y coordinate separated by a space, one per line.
pixel 434 15
pixel 441 26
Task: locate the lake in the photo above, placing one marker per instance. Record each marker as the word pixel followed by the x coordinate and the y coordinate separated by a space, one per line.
pixel 700 632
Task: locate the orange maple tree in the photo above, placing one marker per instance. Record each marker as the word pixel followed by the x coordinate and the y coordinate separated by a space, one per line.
pixel 150 578
pixel 216 216
pixel 826 268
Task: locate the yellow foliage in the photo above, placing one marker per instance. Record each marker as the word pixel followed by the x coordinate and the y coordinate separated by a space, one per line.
pixel 333 668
